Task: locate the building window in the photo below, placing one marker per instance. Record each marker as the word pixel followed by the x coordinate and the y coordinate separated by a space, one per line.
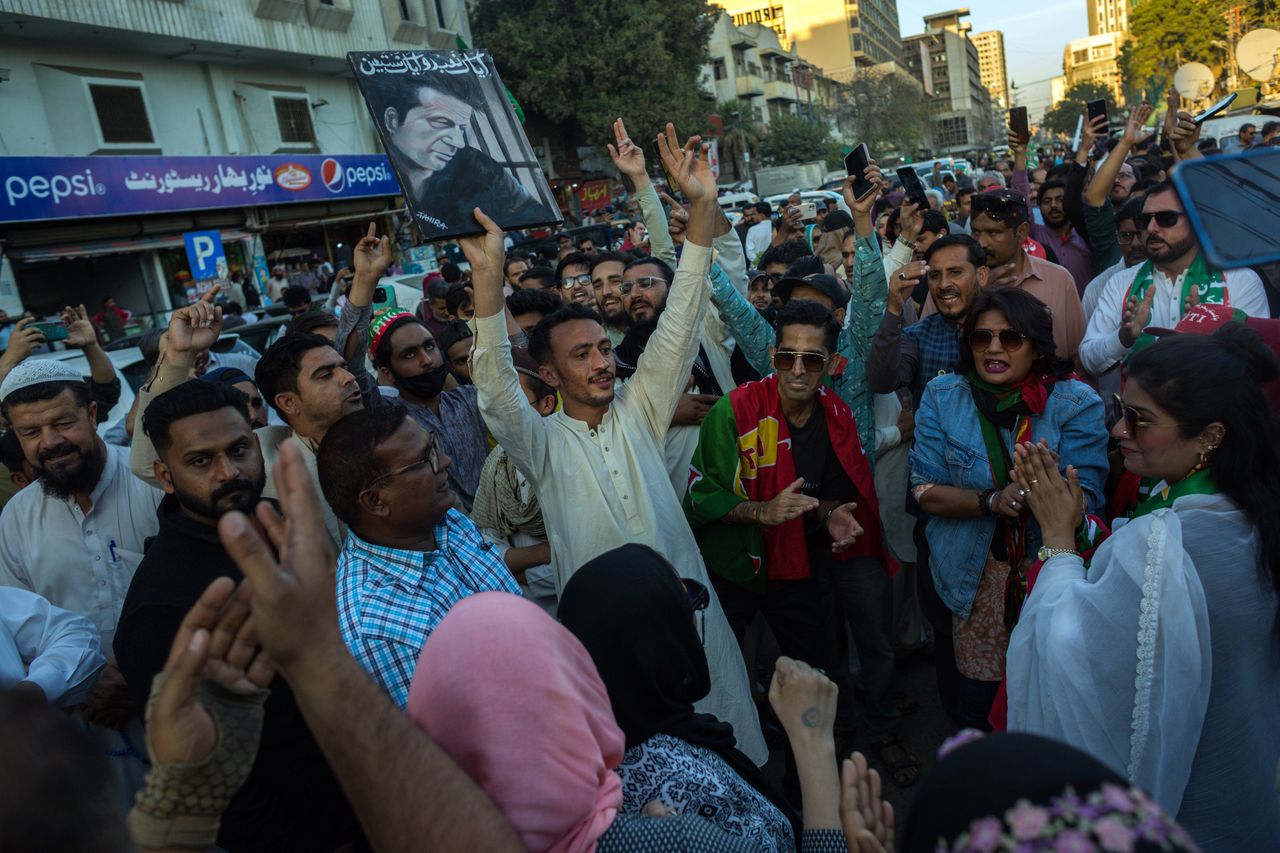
pixel 122 114
pixel 405 14
pixel 717 69
pixel 293 117
pixel 439 6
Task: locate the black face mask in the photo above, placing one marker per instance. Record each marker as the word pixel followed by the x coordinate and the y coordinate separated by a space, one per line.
pixel 424 386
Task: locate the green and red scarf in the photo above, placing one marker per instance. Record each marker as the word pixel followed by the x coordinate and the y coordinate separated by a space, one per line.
pixel 1210 287
pixel 744 454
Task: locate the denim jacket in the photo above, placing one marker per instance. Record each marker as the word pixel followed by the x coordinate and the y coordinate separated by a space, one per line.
pixel 949 451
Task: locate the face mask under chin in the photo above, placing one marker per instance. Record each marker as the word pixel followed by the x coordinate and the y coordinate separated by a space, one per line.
pixel 425 386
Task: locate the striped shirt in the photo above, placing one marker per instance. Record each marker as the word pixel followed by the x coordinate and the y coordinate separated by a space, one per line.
pixel 389 601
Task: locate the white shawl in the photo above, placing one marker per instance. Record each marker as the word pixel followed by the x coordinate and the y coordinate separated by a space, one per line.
pixel 1116 661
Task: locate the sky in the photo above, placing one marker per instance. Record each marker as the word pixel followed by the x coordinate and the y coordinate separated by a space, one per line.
pixel 1033 37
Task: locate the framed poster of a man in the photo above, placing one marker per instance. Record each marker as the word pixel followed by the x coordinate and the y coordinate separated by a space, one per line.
pixel 453 140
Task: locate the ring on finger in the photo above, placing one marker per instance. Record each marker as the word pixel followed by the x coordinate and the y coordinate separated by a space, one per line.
pixel 1022 493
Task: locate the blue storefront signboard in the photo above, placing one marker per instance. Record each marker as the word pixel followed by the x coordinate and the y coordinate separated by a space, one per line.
pixel 39 188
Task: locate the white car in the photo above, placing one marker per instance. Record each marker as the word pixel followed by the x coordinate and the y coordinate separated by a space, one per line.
pixel 815 196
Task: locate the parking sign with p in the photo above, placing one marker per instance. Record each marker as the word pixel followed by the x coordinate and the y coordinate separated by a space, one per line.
pixel 205 254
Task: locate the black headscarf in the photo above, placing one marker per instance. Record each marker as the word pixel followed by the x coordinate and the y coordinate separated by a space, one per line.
pixel 986 779
pixel 630 610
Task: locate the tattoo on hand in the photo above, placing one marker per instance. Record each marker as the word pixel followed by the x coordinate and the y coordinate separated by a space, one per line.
pixel 811 718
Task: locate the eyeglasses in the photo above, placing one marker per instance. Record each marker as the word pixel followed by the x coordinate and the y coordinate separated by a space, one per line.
pixel 699 600
pixel 432 458
pixel 1133 420
pixel 998 207
pixel 1124 238
pixel 1010 340
pixel 1163 218
pixel 583 280
pixel 644 282
pixel 785 360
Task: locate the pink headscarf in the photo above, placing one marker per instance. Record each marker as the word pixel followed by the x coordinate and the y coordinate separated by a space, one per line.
pixel 514 698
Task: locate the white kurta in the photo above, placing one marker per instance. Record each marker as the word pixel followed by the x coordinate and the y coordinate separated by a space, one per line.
pixel 48 646
pixel 603 488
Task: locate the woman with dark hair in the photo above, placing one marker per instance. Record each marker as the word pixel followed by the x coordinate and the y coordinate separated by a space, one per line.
pixel 1162 655
pixel 1010 389
pixel 641 626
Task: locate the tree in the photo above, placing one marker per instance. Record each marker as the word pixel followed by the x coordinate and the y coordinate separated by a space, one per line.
pixel 1062 117
pixel 885 111
pixel 740 134
pixel 791 139
pixel 1164 34
pixel 582 65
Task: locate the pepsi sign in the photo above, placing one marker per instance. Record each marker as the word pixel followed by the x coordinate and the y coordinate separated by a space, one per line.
pixel 40 188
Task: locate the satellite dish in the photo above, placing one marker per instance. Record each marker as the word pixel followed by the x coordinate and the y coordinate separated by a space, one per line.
pixel 1193 81
pixel 1258 54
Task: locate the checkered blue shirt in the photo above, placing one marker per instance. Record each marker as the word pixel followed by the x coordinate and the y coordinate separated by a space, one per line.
pixel 389 601
pixel 939 350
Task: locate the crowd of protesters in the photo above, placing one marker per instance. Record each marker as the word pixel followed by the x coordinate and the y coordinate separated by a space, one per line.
pixel 552 560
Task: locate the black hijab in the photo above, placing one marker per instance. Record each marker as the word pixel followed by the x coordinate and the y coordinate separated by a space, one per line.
pixel 630 610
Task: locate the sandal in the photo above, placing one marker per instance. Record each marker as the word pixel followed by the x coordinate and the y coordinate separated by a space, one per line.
pixel 902 767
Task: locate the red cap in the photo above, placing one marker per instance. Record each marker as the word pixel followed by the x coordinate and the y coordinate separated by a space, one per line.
pixel 1203 320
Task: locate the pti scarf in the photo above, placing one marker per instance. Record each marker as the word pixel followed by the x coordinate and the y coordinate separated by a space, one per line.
pixel 630 610
pixel 1009 407
pixel 1163 495
pixel 1209 284
pixel 744 453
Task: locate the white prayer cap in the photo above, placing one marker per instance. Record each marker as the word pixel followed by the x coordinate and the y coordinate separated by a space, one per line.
pixel 33 371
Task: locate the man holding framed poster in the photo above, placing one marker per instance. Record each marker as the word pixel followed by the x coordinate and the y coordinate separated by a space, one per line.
pixel 453 140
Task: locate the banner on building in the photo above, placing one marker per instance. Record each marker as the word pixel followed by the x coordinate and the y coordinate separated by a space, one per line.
pixel 594 196
pixel 454 141
pixel 713 158
pixel 39 188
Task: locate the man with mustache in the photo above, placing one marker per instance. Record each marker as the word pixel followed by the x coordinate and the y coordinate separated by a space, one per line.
pixel 607 270
pixel 210 463
pixel 1174 278
pixel 598 465
pixel 77 539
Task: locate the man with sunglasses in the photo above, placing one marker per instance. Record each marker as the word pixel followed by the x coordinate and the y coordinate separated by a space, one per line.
pixel 410 555
pixel 1174 278
pixel 599 465
pixel 783 504
pixel 1000 226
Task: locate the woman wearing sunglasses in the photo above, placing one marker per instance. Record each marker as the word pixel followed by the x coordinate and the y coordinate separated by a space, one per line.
pixel 1010 389
pixel 1161 655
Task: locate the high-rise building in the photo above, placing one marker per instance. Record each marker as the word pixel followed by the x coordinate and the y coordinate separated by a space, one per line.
pixel 946 63
pixel 990 47
pixel 1108 16
pixel 1095 58
pixel 837 35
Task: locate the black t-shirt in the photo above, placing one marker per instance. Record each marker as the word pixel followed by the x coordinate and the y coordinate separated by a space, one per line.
pixel 824 477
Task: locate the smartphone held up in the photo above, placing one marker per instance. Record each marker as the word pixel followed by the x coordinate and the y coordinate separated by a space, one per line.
pixel 856 163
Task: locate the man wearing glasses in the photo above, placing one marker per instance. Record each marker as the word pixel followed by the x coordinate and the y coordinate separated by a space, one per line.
pixel 573 276
pixel 780 488
pixel 1174 278
pixel 409 555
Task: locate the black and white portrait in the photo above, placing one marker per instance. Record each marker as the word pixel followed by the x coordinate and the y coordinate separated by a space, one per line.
pixel 453 140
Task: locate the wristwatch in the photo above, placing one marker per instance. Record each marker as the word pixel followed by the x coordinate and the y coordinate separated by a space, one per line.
pixel 1045 553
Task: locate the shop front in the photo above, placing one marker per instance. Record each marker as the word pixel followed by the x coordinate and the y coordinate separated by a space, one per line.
pixel 78 229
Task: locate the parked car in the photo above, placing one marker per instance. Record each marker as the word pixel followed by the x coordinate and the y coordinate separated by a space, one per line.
pixel 732 201
pixel 815 196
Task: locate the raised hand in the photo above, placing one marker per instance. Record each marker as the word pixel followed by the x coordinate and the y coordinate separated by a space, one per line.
pixel 484 251
pixel 1179 128
pixel 861 206
pixel 1133 129
pixel 23 341
pixel 867 819
pixel 902 284
pixel 80 331
pixel 843 528
pixel 215 642
pixel 628 157
pixel 372 255
pixel 787 504
pixel 1056 503
pixel 294 614
pixel 804 700
pixel 195 328
pixel 910 221
pixel 677 217
pixel 688 165
pixel 1091 131
pixel 1135 318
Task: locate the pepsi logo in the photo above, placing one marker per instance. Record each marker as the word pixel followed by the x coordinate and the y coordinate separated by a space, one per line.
pixel 293 177
pixel 332 175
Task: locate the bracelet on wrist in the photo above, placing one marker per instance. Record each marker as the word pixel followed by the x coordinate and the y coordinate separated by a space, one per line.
pixel 986 501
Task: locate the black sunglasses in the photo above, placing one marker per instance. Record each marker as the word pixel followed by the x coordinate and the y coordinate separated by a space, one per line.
pixel 1133 419
pixel 699 595
pixel 1163 218
pixel 1012 341
pixel 997 207
pixel 784 360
